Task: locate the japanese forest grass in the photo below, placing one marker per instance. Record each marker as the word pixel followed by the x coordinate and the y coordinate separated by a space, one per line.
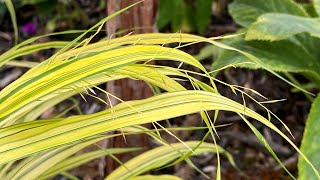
pixel 33 149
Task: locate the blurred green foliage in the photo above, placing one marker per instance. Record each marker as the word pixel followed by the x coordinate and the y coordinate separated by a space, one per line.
pixel 184 15
pixel 53 11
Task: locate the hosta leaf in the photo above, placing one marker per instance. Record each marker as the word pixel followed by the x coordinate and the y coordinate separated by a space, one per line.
pixel 282 56
pixel 276 26
pixel 310 43
pixel 159 157
pixel 310 145
pixel 245 12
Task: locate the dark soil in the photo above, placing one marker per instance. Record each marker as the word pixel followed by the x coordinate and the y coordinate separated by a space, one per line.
pixel 252 159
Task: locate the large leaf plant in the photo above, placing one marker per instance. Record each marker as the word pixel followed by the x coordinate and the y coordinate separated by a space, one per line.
pixel 285 36
pixel 38 149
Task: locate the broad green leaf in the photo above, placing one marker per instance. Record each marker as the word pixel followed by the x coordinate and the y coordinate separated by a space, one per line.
pixel 316 4
pixel 245 12
pixel 310 145
pixel 203 14
pixel 310 9
pixel 309 43
pixel 282 56
pixel 207 52
pixel 168 14
pixel 157 177
pixel 178 15
pixel 165 13
pixel 276 26
pixel 159 157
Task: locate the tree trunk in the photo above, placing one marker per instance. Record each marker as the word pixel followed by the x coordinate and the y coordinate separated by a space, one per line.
pixel 139 19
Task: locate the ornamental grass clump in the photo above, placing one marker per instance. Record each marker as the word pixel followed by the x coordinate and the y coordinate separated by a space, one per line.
pixel 38 149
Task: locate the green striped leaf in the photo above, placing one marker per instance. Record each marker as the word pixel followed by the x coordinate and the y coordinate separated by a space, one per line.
pixel 78 160
pixel 158 177
pixel 159 157
pixel 17 144
pixel 63 74
pixel 32 167
pixel 33 48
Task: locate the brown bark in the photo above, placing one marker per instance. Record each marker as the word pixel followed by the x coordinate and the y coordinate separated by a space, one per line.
pixel 141 16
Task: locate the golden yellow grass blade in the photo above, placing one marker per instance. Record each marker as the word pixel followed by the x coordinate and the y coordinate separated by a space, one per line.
pixel 42 85
pixel 154 76
pixel 157 177
pixel 37 47
pixel 23 143
pixel 75 161
pixel 159 157
pixel 34 166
